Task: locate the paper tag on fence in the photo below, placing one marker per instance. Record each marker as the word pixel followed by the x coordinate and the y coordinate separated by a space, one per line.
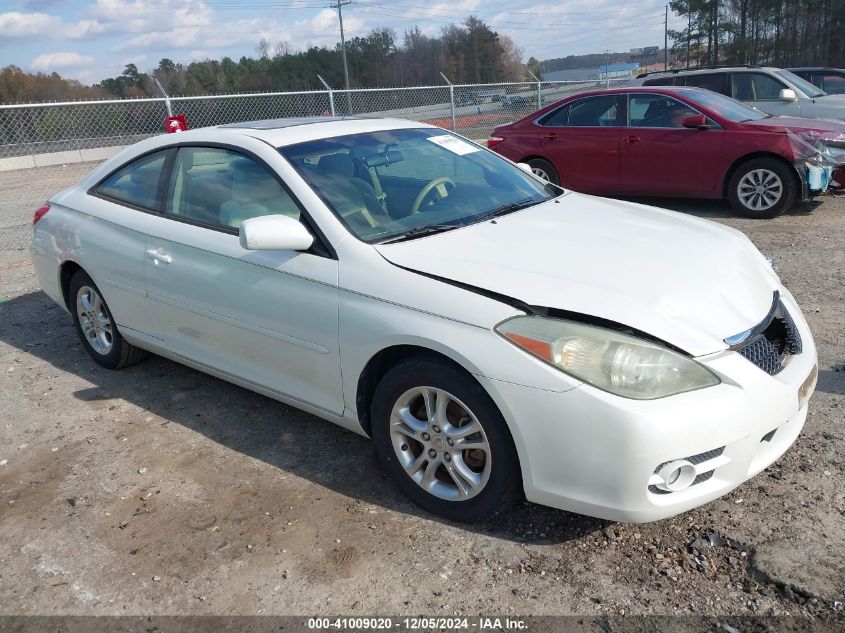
pixel 453 144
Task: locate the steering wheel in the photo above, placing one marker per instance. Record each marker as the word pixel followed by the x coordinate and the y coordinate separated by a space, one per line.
pixel 438 184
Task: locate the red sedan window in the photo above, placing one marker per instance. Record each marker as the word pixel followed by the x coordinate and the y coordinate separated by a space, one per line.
pixel 657 111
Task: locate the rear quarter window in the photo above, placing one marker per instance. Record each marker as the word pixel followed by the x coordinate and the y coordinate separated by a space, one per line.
pixel 140 183
pixel 713 81
pixel 660 81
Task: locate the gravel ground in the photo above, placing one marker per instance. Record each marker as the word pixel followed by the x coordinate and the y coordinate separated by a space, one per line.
pixel 159 490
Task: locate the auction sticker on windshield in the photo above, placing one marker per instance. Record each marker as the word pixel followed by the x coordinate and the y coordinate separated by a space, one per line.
pixel 453 144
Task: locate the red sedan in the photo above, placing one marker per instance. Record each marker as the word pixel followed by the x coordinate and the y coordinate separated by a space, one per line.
pixel 684 142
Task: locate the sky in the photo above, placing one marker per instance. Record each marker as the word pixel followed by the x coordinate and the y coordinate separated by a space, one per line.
pixel 89 40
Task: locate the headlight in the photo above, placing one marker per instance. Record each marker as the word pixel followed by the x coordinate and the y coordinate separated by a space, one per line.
pixel 624 365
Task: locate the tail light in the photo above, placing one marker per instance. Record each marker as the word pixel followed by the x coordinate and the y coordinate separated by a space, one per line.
pixel 40 212
pixel 494 140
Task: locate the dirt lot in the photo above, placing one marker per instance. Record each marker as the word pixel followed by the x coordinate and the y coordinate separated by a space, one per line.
pixel 159 490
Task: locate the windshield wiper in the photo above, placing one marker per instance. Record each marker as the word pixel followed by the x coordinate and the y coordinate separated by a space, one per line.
pixel 430 229
pixel 510 207
pixel 419 231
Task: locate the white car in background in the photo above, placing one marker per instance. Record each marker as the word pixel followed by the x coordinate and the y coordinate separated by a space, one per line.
pixel 495 335
pixel 774 91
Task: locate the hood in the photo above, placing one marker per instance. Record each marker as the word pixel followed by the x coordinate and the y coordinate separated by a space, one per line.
pixel 798 125
pixel 689 282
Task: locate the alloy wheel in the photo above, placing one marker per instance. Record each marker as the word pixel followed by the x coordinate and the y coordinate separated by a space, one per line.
pixel 440 443
pixel 540 173
pixel 94 320
pixel 760 189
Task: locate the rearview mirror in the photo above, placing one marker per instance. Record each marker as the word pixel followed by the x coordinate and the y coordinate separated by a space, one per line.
pixel 788 94
pixel 274 233
pixel 695 121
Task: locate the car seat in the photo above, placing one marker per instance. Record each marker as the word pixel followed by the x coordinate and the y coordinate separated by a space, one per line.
pixel 352 198
pixel 255 192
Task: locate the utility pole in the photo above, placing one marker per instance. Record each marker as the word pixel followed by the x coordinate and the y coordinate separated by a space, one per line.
pixel 689 27
pixel 343 42
pixel 665 40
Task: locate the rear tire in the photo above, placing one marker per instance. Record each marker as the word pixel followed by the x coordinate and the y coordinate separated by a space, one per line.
pixel 544 169
pixel 96 327
pixel 763 188
pixel 423 411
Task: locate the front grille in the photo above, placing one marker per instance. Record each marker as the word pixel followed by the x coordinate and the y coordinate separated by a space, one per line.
pixel 776 339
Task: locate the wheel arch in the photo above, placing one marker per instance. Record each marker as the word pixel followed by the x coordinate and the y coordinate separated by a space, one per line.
pixel 380 363
pixel 739 162
pixel 67 270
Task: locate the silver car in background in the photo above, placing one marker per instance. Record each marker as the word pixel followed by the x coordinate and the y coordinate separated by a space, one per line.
pixel 775 91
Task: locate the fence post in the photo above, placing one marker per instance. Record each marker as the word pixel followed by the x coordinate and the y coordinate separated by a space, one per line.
pixel 539 89
pixel 331 94
pixel 166 97
pixel 451 100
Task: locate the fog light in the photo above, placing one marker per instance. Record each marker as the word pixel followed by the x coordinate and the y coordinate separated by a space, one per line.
pixel 676 475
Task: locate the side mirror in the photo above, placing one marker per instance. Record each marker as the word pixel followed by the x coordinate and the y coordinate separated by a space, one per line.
pixel 788 94
pixel 525 167
pixel 274 233
pixel 695 122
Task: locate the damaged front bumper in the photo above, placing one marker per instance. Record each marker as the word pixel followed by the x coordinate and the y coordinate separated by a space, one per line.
pixel 820 162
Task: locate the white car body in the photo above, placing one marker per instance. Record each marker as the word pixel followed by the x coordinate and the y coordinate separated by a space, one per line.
pixel 302 328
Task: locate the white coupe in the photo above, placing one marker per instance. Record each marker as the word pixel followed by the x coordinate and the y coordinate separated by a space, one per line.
pixel 495 335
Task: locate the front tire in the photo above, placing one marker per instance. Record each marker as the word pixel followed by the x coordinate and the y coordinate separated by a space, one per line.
pixel 444 442
pixel 544 169
pixel 96 327
pixel 763 188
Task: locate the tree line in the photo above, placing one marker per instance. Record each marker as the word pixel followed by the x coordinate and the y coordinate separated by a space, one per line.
pixel 773 32
pixel 18 86
pixel 467 53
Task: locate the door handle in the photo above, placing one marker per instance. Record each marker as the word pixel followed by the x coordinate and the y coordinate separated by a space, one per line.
pixel 550 137
pixel 159 256
pixel 631 139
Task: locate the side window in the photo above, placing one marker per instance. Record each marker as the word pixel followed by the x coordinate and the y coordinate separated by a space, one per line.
pixel 219 187
pixel 556 118
pixel 660 81
pixel 756 87
pixel 712 81
pixel 833 84
pixel 138 183
pixel 598 111
pixel 657 111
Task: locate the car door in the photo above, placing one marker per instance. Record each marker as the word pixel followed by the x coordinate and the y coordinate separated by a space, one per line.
pixel 266 317
pixel 581 139
pixel 119 209
pixel 660 156
pixel 763 92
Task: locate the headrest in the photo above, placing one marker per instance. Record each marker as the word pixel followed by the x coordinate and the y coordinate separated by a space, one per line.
pixel 338 165
pixel 251 180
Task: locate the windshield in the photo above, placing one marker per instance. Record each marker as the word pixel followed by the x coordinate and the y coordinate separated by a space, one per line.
pixel 802 84
pixel 392 183
pixel 728 108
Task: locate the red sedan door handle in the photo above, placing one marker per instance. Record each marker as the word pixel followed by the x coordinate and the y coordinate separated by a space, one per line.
pixel 550 137
pixel 631 139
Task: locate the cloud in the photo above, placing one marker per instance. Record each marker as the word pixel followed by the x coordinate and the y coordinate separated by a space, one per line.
pixel 52 61
pixel 18 25
pixel 142 16
pixel 84 29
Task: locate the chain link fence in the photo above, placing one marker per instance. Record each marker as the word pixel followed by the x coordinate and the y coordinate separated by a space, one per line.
pixel 34 135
